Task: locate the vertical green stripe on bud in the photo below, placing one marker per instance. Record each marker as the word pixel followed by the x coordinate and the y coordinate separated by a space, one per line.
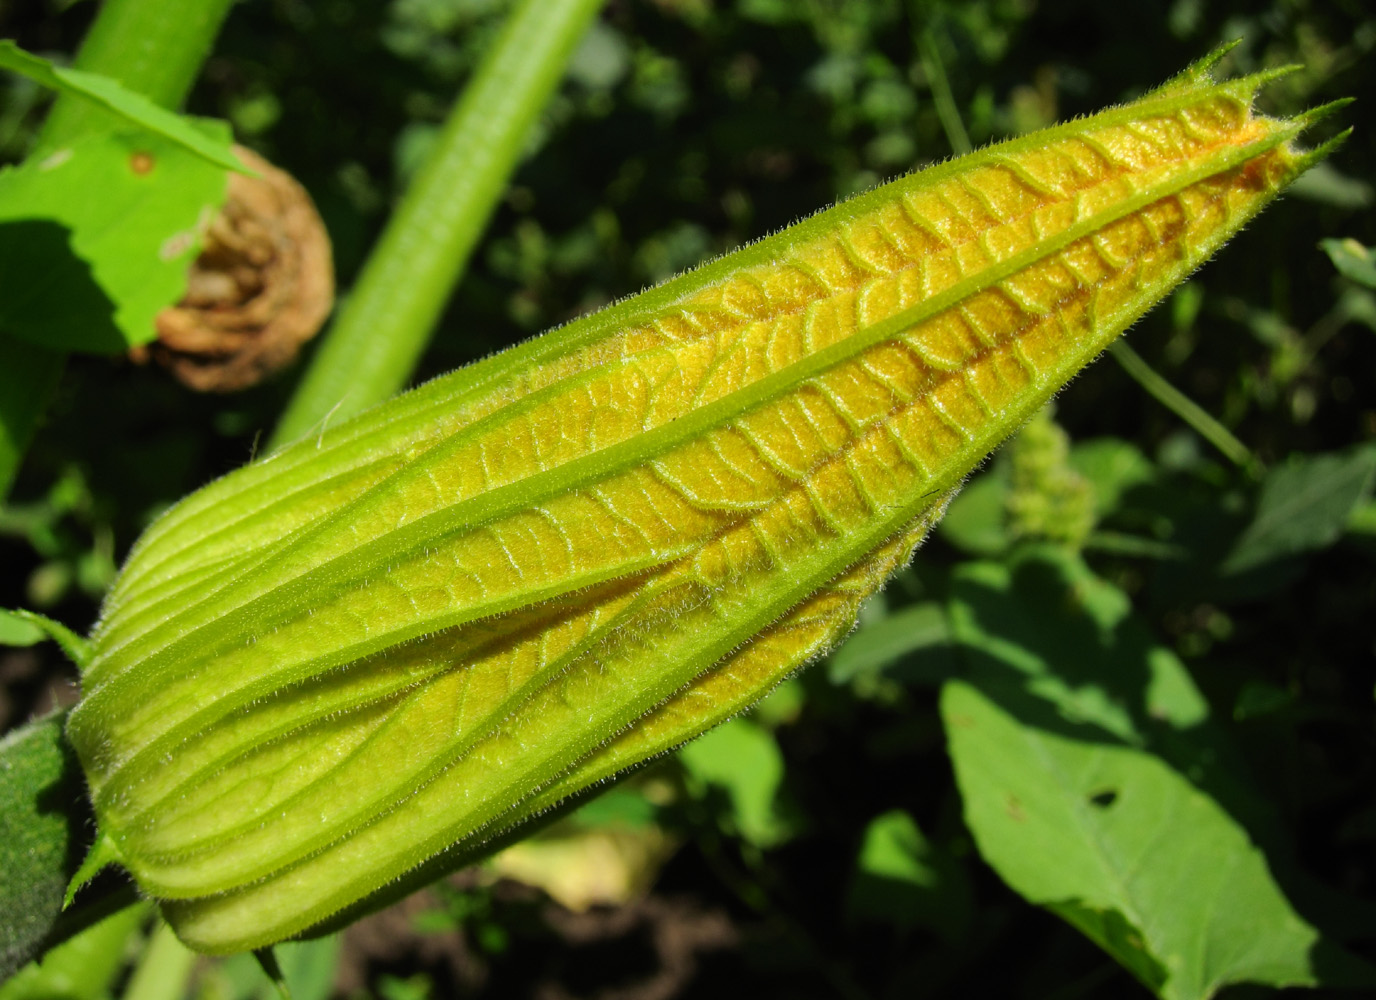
pixel 429 623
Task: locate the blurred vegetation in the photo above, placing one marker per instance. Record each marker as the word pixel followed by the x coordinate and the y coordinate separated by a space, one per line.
pixel 824 834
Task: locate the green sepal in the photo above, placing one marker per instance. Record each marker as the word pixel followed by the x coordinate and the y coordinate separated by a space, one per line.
pixel 267 961
pixel 103 853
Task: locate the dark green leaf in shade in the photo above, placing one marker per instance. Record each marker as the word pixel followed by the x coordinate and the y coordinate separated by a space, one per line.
pixel 975 519
pixel 213 147
pixel 1304 505
pixel 96 239
pixel 1328 185
pixel 1257 698
pixel 742 759
pixel 621 806
pixel 44 827
pixel 1357 305
pixel 1353 260
pixel 1362 520
pixel 1113 467
pixel 905 880
pixel 876 645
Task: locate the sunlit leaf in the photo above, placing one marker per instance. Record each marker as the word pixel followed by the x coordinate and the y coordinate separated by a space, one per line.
pixel 96 239
pixel 211 146
pixel 1126 849
pixel 1095 785
pixel 1304 505
pixel 16 631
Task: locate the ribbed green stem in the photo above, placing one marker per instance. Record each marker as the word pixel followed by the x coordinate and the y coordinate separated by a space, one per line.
pixel 385 324
pixel 155 47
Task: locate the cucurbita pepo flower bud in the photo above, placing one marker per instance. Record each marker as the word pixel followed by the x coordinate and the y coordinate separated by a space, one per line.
pixel 425 626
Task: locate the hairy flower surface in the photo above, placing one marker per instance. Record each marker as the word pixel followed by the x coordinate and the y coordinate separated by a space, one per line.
pixel 408 634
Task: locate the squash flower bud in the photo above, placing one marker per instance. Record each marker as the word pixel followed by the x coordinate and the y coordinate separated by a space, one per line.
pixel 374 651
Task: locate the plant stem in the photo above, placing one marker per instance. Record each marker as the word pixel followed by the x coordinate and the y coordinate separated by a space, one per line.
pixel 385 324
pixel 155 47
pixel 946 109
pixel 1183 407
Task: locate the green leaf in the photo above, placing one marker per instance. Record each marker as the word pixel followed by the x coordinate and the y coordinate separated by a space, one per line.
pixel 82 968
pixel 18 631
pixel 975 521
pixel 1044 625
pixel 1095 784
pixel 1126 849
pixel 1362 520
pixel 743 760
pixel 103 853
pixel 903 879
pixel 96 239
pixel 1257 698
pixel 1352 259
pixel 878 644
pixel 134 108
pixel 43 830
pixel 1304 505
pixel 1113 467
pixel 622 806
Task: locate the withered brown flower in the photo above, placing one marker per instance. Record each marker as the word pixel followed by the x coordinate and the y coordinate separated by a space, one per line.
pixel 261 287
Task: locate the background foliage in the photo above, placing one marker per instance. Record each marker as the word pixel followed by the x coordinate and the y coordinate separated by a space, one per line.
pixel 1138 604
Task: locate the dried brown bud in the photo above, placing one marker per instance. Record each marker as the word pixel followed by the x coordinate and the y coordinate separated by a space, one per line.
pixel 261 288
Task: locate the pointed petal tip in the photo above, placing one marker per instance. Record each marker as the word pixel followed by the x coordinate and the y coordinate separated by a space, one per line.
pixel 1247 87
pixel 1200 70
pixel 1320 152
pixel 1314 115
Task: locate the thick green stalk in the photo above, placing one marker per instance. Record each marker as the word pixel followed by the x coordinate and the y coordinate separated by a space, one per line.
pixel 383 327
pixel 154 47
